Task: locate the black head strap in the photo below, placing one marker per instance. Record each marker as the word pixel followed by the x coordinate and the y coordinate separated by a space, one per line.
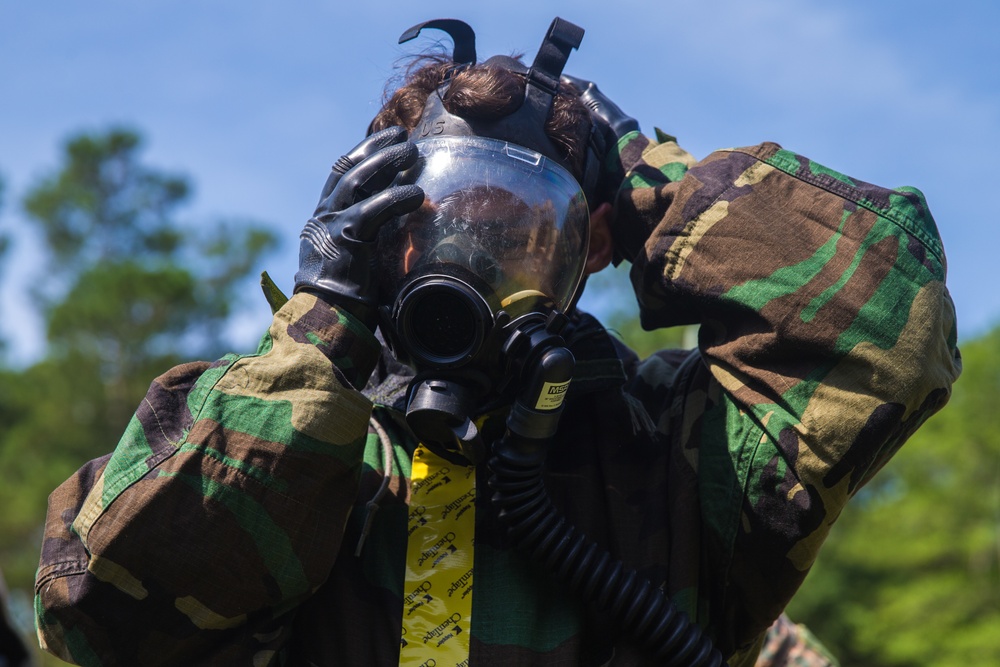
pixel 526 125
pixel 462 34
pixel 552 55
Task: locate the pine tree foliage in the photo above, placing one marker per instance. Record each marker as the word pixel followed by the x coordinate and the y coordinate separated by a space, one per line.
pixel 127 289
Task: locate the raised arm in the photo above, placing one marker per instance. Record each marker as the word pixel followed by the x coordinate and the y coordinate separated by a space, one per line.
pixel 827 337
pixel 224 504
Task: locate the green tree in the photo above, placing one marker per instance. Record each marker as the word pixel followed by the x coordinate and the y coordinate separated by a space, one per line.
pixel 911 572
pixel 126 291
pixel 124 278
pixel 4 246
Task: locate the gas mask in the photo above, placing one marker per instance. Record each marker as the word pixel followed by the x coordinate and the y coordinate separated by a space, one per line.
pixel 475 286
pixel 494 255
pixel 483 272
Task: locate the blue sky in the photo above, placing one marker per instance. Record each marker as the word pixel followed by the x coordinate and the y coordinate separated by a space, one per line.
pixel 254 100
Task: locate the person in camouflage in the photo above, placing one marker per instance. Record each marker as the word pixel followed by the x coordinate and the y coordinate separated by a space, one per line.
pixel 234 523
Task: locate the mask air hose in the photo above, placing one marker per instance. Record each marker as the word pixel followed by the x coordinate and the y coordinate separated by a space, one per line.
pixel 535 525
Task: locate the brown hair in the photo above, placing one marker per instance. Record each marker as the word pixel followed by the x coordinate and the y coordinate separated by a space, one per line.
pixel 484 92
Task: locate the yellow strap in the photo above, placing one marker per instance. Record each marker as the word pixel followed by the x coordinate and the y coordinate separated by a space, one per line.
pixel 437 596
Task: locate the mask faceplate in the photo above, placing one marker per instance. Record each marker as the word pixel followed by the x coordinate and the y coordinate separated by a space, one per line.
pixel 507 224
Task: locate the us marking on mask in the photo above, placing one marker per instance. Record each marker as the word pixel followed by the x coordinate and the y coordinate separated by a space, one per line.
pixel 552 395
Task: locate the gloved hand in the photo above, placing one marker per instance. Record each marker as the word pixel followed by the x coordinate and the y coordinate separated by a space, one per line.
pixel 613 124
pixel 337 245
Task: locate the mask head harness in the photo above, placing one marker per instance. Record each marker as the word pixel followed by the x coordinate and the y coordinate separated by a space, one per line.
pixel 455 318
pixel 526 125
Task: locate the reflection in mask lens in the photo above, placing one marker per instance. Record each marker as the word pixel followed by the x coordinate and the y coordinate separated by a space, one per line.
pixel 511 217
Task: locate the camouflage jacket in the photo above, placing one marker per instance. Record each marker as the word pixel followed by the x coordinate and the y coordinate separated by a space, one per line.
pixel 223 528
pixel 791 645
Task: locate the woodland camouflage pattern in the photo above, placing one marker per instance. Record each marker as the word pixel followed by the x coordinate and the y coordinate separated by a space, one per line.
pixel 222 529
pixel 791 645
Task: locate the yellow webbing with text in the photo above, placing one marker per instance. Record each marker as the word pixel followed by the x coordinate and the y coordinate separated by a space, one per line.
pixel 437 595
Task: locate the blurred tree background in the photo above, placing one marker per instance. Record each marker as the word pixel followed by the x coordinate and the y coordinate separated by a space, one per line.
pixel 126 291
pixel 910 575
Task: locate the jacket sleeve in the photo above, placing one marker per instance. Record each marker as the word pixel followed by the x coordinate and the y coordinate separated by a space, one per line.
pixel 827 336
pixel 222 507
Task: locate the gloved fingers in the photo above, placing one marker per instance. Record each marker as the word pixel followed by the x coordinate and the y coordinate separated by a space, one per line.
pixel 331 182
pixel 372 175
pixel 375 211
pixel 602 108
pixel 581 85
pixel 371 145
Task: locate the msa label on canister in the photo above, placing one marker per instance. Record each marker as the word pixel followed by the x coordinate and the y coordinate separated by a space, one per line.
pixel 552 395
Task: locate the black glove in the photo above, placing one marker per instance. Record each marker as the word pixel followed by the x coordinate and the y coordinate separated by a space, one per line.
pixel 603 110
pixel 337 245
pixel 612 123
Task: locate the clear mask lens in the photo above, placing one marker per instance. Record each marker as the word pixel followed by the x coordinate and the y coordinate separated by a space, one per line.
pixel 512 220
